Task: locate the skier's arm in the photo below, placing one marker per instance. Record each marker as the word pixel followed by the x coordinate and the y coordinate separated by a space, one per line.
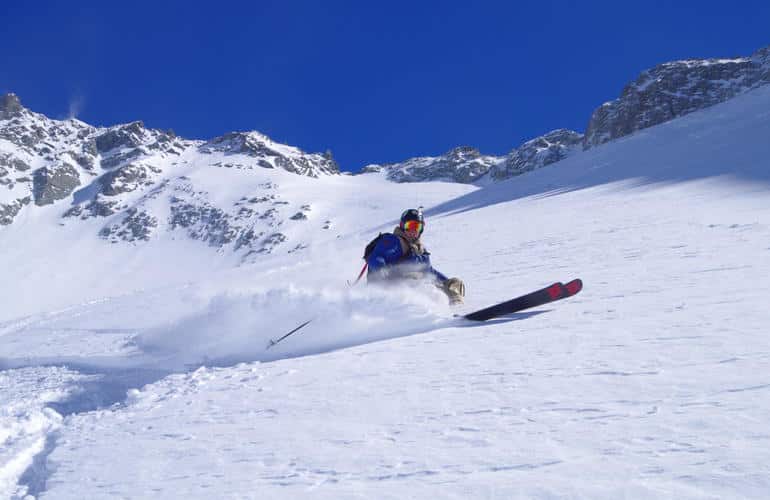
pixel 438 275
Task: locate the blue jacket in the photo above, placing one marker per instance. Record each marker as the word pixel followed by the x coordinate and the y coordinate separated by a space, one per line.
pixel 389 261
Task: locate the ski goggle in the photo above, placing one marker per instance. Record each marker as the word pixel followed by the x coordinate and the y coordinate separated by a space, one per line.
pixel 411 226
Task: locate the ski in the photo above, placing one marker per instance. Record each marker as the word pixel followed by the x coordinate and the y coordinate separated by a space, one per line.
pixel 573 287
pixel 273 342
pixel 554 292
pixel 551 293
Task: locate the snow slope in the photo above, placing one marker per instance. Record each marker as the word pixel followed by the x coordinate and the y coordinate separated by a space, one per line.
pixel 652 383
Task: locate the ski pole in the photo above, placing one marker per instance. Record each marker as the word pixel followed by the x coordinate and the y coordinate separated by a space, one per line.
pixel 360 275
pixel 273 342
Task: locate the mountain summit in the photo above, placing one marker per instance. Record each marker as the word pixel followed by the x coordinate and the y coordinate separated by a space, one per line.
pixel 135 181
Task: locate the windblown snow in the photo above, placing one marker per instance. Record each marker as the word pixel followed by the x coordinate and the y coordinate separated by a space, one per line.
pixel 142 371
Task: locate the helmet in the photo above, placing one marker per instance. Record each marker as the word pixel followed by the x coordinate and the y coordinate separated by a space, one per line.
pixel 412 214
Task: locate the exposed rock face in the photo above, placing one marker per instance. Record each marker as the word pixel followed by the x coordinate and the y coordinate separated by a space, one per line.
pixel 674 89
pixel 98 207
pixel 544 150
pixel 462 164
pixel 205 223
pixel 37 135
pixel 10 106
pixel 240 142
pixel 468 165
pixel 126 179
pixel 136 226
pixel 127 136
pixel 9 162
pixel 270 154
pixel 8 211
pixel 218 228
pixel 126 175
pixel 762 59
pixel 271 242
pixel 54 183
pixel 15 187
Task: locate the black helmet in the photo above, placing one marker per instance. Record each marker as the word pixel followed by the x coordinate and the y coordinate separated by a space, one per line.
pixel 412 214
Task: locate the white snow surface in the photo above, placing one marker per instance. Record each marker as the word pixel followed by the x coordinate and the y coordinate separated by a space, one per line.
pixel 142 371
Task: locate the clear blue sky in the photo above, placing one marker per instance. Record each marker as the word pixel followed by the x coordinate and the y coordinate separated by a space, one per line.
pixel 372 81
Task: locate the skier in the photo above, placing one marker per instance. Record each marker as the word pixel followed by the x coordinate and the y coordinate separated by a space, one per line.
pixel 401 255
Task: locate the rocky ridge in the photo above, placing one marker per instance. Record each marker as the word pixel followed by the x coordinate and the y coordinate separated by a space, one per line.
pixel 130 180
pixel 660 94
pixel 537 153
pixel 462 164
pixel 674 89
pixel 467 165
pixel 270 154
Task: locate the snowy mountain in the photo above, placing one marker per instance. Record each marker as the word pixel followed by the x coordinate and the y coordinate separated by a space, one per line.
pixel 537 153
pixel 137 182
pixel 658 95
pixel 467 165
pixel 462 164
pixel 139 369
pixel 674 89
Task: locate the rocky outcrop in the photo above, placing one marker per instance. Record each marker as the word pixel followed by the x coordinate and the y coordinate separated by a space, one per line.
pixel 125 175
pixel 462 164
pixel 37 136
pixel 126 179
pixel 674 89
pixel 9 210
pixel 54 183
pixel 467 165
pixel 125 136
pixel 246 143
pixel 136 226
pixel 762 59
pixel 537 153
pixel 9 162
pixel 98 207
pixel 27 136
pixel 10 107
pixel 132 141
pixel 269 154
pixel 204 222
